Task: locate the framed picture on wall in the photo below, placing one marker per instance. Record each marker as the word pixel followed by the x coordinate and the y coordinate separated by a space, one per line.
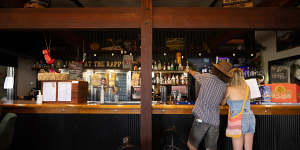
pixel 287 39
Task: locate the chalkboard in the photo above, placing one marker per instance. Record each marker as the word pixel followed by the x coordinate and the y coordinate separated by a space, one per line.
pixel 279 74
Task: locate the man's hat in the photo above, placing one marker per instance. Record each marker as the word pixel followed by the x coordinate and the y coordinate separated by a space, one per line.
pixel 224 67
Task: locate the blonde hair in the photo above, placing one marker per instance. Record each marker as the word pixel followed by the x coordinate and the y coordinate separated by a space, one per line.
pixel 238 79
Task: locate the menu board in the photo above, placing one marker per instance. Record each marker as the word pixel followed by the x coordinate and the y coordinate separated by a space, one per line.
pixel 75 70
pixel 64 91
pixel 279 74
pixel 49 91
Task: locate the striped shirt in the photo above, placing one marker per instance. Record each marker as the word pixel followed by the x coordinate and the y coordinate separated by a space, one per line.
pixel 211 93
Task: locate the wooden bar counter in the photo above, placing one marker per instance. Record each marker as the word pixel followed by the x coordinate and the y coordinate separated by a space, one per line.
pixel 30 107
pixel 76 126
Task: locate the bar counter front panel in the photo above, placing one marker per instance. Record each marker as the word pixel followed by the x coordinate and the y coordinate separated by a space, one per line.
pixel 64 126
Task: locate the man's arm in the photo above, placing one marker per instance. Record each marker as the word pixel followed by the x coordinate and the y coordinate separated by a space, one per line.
pixel 195 74
pixel 190 71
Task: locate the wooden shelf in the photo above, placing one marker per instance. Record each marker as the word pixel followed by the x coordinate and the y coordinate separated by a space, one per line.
pixel 165 71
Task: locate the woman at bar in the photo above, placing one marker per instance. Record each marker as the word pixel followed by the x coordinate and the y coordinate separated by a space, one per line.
pixel 236 92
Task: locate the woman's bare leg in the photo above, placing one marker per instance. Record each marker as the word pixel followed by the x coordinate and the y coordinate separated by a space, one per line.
pixel 248 141
pixel 238 143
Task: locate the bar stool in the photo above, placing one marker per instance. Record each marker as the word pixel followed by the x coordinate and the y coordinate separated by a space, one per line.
pixel 7 128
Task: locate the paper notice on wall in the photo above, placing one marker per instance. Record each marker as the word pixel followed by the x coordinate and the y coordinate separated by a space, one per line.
pixel 254 89
pixel 49 91
pixel 64 91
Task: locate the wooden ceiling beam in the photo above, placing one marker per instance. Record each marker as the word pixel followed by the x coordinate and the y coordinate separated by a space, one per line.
pixel 12 3
pixel 182 18
pixel 77 3
pixel 222 38
pixel 69 18
pixel 229 18
pixel 277 3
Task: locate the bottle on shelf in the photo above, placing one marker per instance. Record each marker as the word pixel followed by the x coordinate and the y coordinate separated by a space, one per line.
pixel 168 67
pixel 159 65
pixel 157 79
pixel 173 80
pixel 177 80
pixel 172 67
pixel 182 79
pixel 169 79
pixel 187 65
pixel 164 66
pixel 180 68
pixel 155 66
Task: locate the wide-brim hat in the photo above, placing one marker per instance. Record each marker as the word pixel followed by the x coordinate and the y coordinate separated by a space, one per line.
pixel 224 67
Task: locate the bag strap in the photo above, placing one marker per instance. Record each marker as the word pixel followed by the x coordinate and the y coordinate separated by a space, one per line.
pixel 242 110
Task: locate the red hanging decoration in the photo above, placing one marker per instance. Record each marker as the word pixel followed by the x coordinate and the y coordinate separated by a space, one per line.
pixel 47 57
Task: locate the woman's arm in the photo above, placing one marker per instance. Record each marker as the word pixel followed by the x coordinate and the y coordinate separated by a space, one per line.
pixel 223 102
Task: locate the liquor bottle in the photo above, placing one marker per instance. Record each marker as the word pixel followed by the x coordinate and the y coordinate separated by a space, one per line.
pixel 169 79
pixel 175 65
pixel 177 80
pixel 255 71
pixel 173 80
pixel 187 65
pixel 165 79
pixel 159 65
pixel 172 66
pixel 168 67
pixel 155 66
pixel 157 79
pixel 180 67
pixel 164 66
pixel 182 79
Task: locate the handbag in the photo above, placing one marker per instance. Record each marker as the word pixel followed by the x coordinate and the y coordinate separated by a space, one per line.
pixel 234 126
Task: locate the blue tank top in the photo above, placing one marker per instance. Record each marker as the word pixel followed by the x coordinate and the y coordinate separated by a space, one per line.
pixel 236 105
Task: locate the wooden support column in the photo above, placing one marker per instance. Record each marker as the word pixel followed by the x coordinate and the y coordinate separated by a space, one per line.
pixel 146 55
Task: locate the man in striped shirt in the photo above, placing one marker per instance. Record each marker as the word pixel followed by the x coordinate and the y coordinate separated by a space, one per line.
pixel 206 108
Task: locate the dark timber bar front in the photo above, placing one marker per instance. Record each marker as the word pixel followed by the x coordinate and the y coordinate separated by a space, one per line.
pixel 72 126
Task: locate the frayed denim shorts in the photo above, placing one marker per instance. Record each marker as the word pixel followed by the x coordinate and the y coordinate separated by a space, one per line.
pixel 248 120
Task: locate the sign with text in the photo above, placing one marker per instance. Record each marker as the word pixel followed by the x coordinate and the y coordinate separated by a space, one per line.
pixel 279 74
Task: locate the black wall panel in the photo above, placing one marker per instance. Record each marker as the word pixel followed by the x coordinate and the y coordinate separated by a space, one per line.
pixel 74 132
pixel 105 132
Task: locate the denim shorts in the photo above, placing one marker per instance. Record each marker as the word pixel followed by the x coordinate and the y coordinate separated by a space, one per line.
pixel 248 120
pixel 200 131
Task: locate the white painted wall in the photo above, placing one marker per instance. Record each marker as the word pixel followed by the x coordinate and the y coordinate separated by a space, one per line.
pixel 26 77
pixel 268 40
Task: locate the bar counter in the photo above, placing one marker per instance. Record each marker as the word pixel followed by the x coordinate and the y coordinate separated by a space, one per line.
pixel 86 126
pixel 30 107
